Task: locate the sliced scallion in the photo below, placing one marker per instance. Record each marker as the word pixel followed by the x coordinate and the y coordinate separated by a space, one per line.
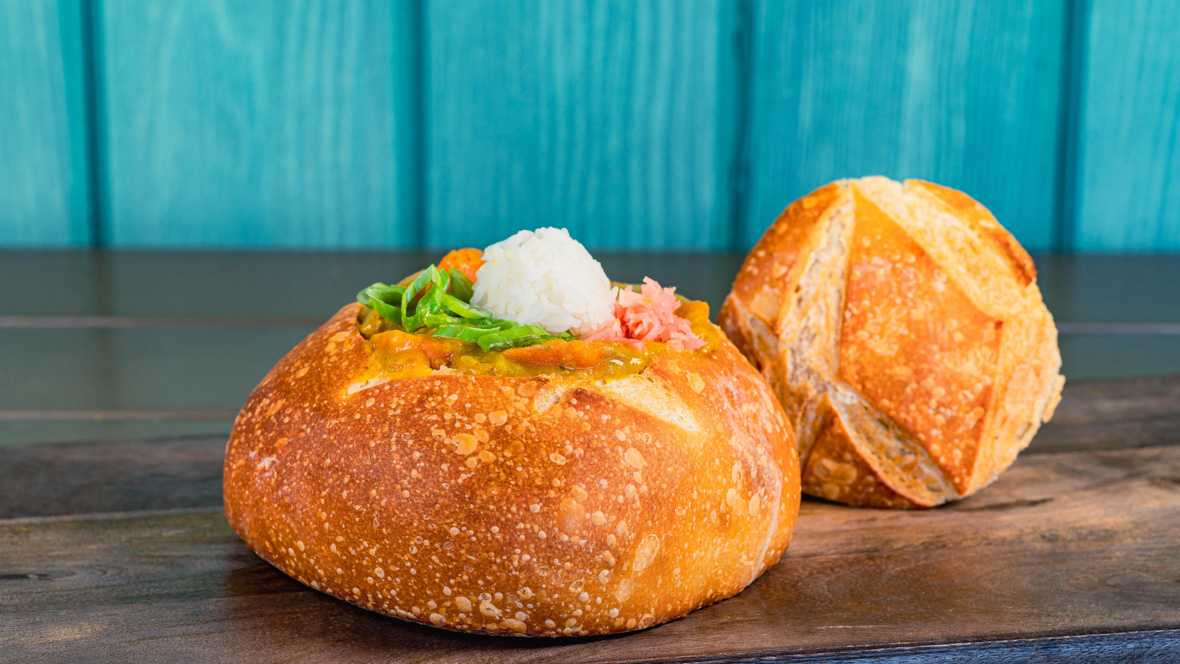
pixel 461 286
pixel 440 300
pixel 523 335
pixel 464 332
pixel 464 309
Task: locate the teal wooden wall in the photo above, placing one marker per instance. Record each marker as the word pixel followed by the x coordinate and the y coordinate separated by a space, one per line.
pixel 46 184
pixel 653 124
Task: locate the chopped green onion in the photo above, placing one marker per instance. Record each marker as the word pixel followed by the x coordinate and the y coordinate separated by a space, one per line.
pixel 464 309
pixel 379 291
pixel 521 335
pixel 464 332
pixel 461 286
pixel 428 305
pixel 440 300
pixel 440 279
pixel 408 297
pixel 387 311
pixel 441 320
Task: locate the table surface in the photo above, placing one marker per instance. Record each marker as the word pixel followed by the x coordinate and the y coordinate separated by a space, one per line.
pixel 122 371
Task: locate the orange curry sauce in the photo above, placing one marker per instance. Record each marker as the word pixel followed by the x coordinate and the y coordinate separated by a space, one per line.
pixel 400 354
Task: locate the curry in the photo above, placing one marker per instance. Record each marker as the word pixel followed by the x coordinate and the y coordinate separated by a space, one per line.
pixel 400 354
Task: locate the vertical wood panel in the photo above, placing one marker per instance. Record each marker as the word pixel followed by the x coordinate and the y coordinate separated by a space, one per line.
pixel 964 93
pixel 44 176
pixel 262 123
pixel 1129 171
pixel 598 116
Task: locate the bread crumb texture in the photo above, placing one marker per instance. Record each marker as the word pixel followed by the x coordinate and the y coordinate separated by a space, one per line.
pixel 516 506
pixel 903 331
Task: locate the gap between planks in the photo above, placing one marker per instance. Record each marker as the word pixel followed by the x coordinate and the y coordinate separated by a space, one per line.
pixel 1014 580
pixel 117 415
pixel 111 322
pixel 108 516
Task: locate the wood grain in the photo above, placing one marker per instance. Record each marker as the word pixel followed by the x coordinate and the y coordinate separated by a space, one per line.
pixel 137 369
pixel 1129 170
pixel 44 167
pixel 194 283
pixel 961 93
pixel 266 123
pixel 36 431
pixel 1097 356
pixel 127 474
pixel 1112 415
pixel 111 476
pixel 292 124
pixel 1110 288
pixel 1064 544
pixel 213 369
pixel 1077 289
pixel 600 117
pixel 274 284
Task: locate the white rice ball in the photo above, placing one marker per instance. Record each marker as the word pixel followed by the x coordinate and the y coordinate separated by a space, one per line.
pixel 546 278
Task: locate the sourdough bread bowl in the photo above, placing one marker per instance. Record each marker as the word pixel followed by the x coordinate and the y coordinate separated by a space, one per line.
pixel 902 329
pixel 494 492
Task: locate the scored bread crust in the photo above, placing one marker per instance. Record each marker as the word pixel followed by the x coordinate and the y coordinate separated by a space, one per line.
pixel 542 506
pixel 903 331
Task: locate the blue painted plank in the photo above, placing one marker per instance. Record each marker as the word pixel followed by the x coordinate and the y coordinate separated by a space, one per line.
pixel 965 94
pixel 1128 198
pixel 263 123
pixel 602 117
pixel 44 174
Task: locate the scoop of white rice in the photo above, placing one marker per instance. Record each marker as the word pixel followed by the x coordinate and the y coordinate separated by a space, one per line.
pixel 546 278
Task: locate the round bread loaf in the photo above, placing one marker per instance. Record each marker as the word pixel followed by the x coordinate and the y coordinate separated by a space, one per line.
pixel 903 331
pixel 541 506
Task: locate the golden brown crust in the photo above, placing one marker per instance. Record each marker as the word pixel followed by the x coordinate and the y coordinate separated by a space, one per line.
pixel 913 352
pixel 924 371
pixel 836 471
pixel 775 264
pixel 971 211
pixel 519 506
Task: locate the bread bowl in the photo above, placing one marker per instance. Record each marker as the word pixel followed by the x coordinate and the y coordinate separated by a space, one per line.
pixel 902 329
pixel 529 491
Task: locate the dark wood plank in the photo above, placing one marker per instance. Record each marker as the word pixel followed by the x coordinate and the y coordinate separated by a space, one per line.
pixel 272 284
pixel 126 474
pixel 1110 288
pixel 206 373
pixel 45 168
pixel 1064 545
pixel 965 94
pixel 266 123
pixel 1088 288
pixel 111 476
pixel 1111 415
pixel 36 429
pixel 1100 356
pixel 528 129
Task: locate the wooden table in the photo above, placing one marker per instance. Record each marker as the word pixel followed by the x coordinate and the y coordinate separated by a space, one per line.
pixel 120 374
